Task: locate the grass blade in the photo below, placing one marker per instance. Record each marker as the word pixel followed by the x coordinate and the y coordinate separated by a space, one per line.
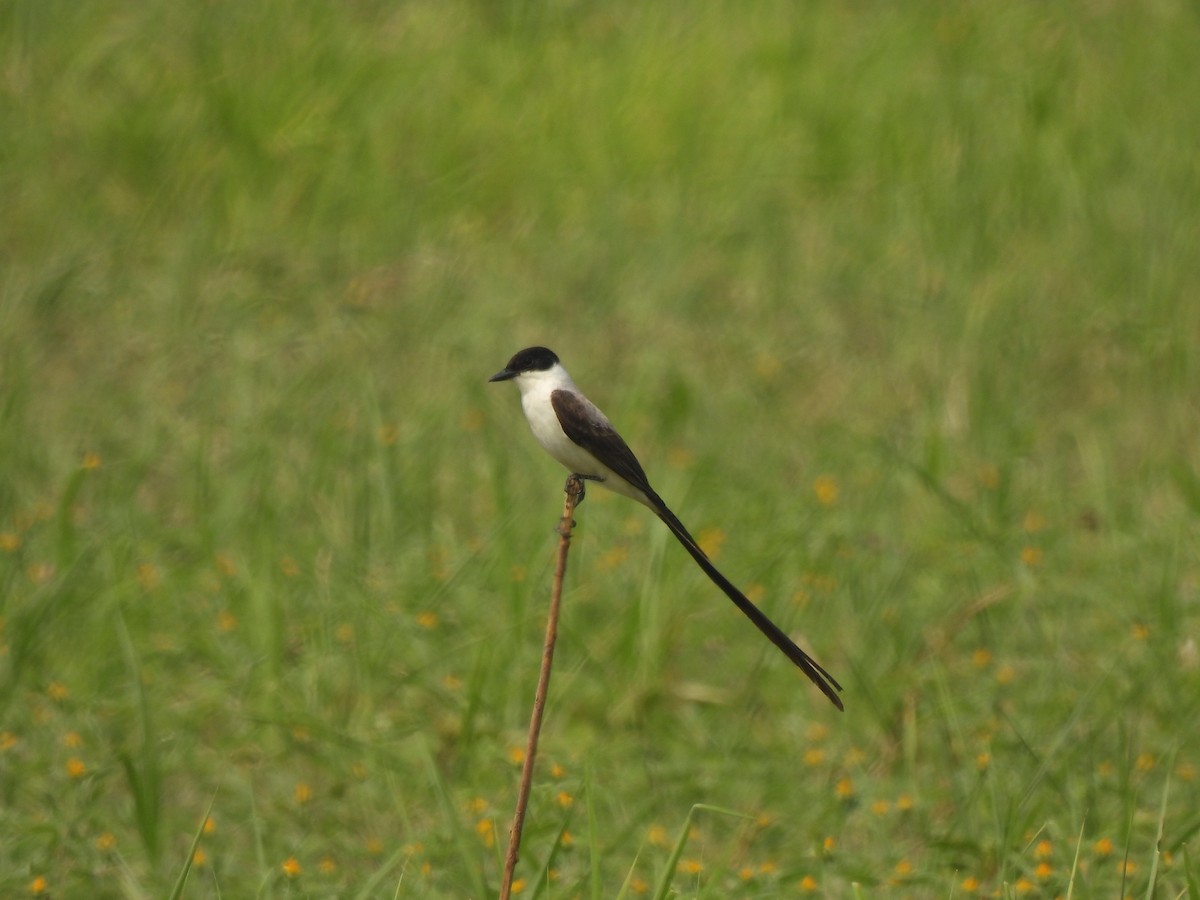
pixel 467 859
pixel 181 881
pixel 1193 882
pixel 593 836
pixel 1075 862
pixel 369 888
pixel 142 769
pixel 543 879
pixel 1152 883
pixel 628 882
pixel 664 884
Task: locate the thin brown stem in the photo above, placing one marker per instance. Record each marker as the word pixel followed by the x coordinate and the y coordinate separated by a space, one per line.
pixel 574 491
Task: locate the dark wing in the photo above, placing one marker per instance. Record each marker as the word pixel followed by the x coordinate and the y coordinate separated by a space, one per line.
pixel 584 424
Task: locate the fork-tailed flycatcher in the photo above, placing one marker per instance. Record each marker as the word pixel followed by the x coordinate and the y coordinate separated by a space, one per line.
pixel 577 434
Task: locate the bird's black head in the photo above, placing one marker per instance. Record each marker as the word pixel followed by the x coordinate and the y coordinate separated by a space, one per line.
pixel 531 359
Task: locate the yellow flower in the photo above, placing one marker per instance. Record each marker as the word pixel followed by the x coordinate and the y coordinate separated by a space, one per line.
pixel 486 829
pixel 980 657
pixel 1034 521
pixel 72 739
pixel 9 541
pixel 904 868
pixel 814 756
pixel 1043 850
pixel 557 771
pixel 57 690
pixel 148 576
pixel 226 621
pixel 225 564
pixel 680 458
pixel 90 461
pixel 427 619
pixel 76 767
pixel 1044 870
pixel 983 761
pixel 199 858
pixel 1103 847
pixel 989 476
pixel 1005 674
pixel 327 865
pixel 40 573
pixel 844 788
pixel 210 825
pixel 303 793
pixel 1139 631
pixel 8 740
pixel 439 563
pixel 106 842
pixel 612 558
pixel 518 885
pixel 767 366
pixel 826 489
pixel 1031 556
pixel 904 802
pixel 472 419
pixel 828 844
pixel 291 867
pixel 710 541
pixel 808 884
pixel 38 885
pixel 880 807
pixel 1145 762
pixel 1024 885
pixel 565 800
pixel 970 883
pixel 691 866
pixel 516 755
pixel 657 835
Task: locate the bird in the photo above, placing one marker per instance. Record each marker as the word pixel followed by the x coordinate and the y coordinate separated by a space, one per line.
pixel 577 434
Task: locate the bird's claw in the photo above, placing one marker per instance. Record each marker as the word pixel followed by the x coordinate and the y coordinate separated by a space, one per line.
pixel 575 486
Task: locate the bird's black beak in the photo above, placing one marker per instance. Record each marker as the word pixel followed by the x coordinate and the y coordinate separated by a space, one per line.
pixel 504 375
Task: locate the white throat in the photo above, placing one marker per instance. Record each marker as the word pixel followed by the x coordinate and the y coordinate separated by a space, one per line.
pixel 542 383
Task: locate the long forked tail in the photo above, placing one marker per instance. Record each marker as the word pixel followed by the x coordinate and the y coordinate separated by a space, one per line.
pixel 809 666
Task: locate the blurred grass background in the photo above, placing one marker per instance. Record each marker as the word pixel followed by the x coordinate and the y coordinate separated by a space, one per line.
pixel 897 305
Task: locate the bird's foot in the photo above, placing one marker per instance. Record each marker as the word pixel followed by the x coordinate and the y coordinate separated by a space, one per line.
pixel 575 487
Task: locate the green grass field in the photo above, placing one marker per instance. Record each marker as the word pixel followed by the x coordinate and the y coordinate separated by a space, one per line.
pixel 899 305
